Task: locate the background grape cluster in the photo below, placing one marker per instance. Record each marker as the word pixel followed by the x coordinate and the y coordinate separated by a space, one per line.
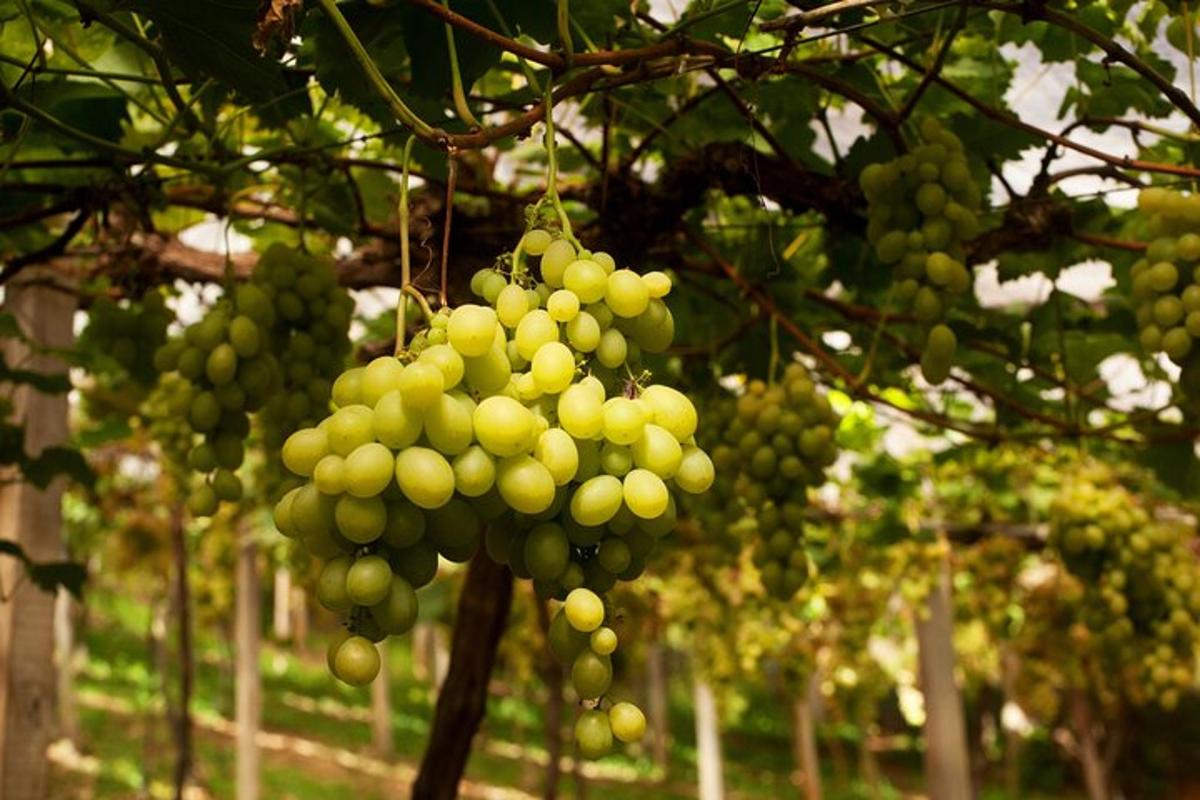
pixel 128 333
pixel 523 418
pixel 921 207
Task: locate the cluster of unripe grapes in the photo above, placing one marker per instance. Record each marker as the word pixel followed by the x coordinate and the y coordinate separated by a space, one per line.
pixel 921 207
pixel 582 643
pixel 1140 586
pixel 775 441
pixel 1166 281
pixel 128 333
pixel 228 359
pixel 519 423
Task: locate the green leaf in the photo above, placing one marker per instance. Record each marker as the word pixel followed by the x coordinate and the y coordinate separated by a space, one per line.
pixel 381 30
pixel 48 576
pixel 47 384
pixel 55 461
pixel 85 105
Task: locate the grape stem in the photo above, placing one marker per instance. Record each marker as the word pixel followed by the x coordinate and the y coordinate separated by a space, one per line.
pixel 552 170
pixel 451 180
pixel 405 255
pixel 456 83
pixel 415 293
pixel 773 360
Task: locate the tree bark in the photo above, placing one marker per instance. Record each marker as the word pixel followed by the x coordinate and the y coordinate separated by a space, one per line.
pixel 709 766
pixel 281 605
pixel 381 707
pixel 947 766
pixel 552 677
pixel 482 615
pixel 248 688
pixel 33 520
pixel 656 707
pixel 183 622
pixel 64 656
pixel 1095 779
pixel 805 741
pixel 1010 666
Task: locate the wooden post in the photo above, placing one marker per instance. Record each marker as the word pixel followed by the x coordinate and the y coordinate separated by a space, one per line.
pixel 656 707
pixel 64 658
pixel 281 605
pixel 299 604
pixel 1095 778
pixel 947 766
pixel 482 616
pixel 552 676
pixel 709 767
pixel 381 707
pixel 183 622
pixel 1010 670
pixel 248 688
pixel 805 741
pixel 33 520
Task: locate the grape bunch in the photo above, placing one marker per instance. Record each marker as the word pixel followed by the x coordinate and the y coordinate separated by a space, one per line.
pixel 520 424
pixel 309 338
pixel 783 438
pixel 1140 587
pixel 128 333
pixel 1166 281
pixel 720 512
pixel 921 207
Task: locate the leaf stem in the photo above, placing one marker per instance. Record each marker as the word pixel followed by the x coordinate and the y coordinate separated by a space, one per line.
pixel 552 170
pixel 405 259
pixel 456 83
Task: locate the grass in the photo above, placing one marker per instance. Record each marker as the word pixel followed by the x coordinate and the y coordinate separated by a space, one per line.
pixel 316 740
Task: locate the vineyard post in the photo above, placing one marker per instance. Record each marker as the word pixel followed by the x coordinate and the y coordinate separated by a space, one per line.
pixel 32 519
pixel 248 688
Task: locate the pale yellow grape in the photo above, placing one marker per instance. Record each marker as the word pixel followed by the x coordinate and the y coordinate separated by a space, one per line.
pixel 471 329
pixel 503 426
pixel 556 450
pixel 624 420
pixel 628 722
pixel 448 360
pixel 672 410
pixel 589 459
pixel 347 388
pixel 606 262
pixel 696 472
pixel 645 493
pixel 525 484
pixel 425 477
pixel 304 449
pixel 329 476
pixel 613 349
pixel 350 427
pixel 536 241
pixel 593 732
pixel 563 305
pixel 658 451
pixel 583 332
pixel 474 471
pixel 369 470
pixel 581 412
pixel 602 313
pixel 536 329
pixel 553 367
pixel 615 459
pixel 603 641
pixel 658 284
pixel 558 255
pixel 360 519
pixel 396 425
pixel 527 387
pixel 490 372
pixel 500 338
pixel 654 329
pixel 587 279
pixel 584 610
pixel 597 500
pixel 448 425
pixel 514 357
pixel 594 385
pixel 378 378
pixel 421 385
pixel 626 293
pixel 511 305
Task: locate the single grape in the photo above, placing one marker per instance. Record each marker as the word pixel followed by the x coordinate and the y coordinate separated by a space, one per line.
pixel 425 477
pixel 356 661
pixel 368 580
pixel 584 610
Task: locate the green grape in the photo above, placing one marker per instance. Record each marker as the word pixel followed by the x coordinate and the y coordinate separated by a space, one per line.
pixel 490 372
pixel 360 519
pixel 368 580
pixel 612 349
pixel 583 332
pixel 425 477
pixel 397 612
pixel 347 389
pixel 593 734
pixel 329 476
pixel 202 502
pixel 615 459
pixel 392 422
pixel 472 330
pixel 584 610
pixel 614 555
pixel 626 293
pixel 446 359
pixel 603 641
pixel 536 241
pixel 349 428
pixel 244 336
pixel 563 306
pixel 417 564
pixel 658 284
pixel 565 641
pixel 525 484
pixel 504 427
pixel 580 412
pixel 368 470
pixel 696 472
pixel 557 452
pixel 474 472
pixel 331 585
pixel 596 500
pixel 448 425
pixel 511 305
pixel 591 674
pixel 405 524
pixel 645 493
pixel 421 385
pixel 586 279
pixel 536 328
pixel 658 451
pixel 628 722
pixel 546 552
pixel 553 367
pixel 356 661
pixel 624 420
pixel 555 259
pixel 227 486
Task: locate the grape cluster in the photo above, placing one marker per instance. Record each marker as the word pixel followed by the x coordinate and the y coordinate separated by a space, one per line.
pixel 921 207
pixel 522 419
pixel 580 640
pixel 229 359
pixel 128 333
pixel 1140 588
pixel 784 436
pixel 1166 281
pixel 720 512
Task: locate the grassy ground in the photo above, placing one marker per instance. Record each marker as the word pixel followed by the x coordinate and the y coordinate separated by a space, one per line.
pixel 316 739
